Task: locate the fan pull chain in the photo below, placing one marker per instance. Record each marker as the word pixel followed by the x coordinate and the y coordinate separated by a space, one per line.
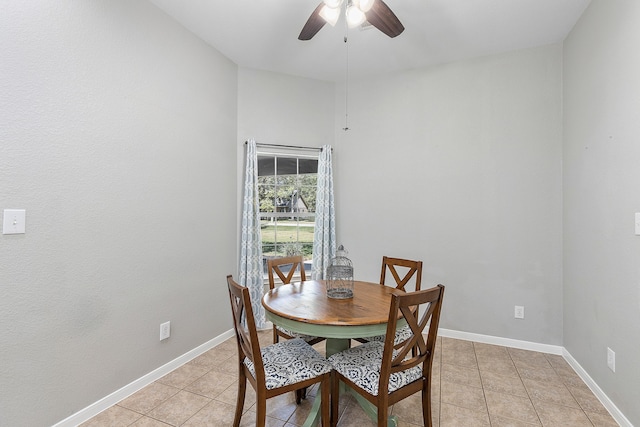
pixel 346 86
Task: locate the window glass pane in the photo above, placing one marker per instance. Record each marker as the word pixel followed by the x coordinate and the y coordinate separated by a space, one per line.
pixel 268 249
pixel 286 180
pixel 308 195
pixel 266 165
pixel 287 166
pixel 267 197
pixel 287 192
pixel 308 166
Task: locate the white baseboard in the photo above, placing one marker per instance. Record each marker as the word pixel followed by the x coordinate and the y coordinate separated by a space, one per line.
pixel 115 397
pixel 126 391
pixel 597 391
pixel 550 349
pixel 505 342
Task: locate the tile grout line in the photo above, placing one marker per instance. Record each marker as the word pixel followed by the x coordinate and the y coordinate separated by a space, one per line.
pixel 569 390
pixel 524 386
pixel 484 394
pixel 523 359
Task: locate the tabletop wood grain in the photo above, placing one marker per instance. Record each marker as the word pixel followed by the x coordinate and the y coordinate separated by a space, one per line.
pixel 308 302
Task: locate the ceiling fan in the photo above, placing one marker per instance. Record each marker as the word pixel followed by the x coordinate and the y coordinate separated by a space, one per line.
pixel 376 12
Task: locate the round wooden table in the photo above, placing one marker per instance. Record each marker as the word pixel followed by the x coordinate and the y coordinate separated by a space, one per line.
pixel 304 307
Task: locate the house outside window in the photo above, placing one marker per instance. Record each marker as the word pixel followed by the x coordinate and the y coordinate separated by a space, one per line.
pixel 287 185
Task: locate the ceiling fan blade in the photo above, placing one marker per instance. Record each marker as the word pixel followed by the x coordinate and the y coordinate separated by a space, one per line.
pixel 313 25
pixel 383 18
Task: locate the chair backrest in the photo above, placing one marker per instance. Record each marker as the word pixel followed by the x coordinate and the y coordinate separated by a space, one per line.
pixel 414 268
pixel 275 266
pixel 415 350
pixel 245 327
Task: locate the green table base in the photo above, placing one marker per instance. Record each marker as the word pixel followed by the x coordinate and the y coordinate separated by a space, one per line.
pixel 338 339
pixel 369 408
pixel 314 415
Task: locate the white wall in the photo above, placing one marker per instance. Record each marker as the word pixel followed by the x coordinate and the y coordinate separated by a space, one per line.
pixel 116 130
pixel 275 108
pixel 601 177
pixel 460 166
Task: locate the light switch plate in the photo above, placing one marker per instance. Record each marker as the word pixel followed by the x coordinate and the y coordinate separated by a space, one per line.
pixel 637 223
pixel 13 221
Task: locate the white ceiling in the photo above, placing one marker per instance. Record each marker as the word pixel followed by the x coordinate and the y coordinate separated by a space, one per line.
pixel 263 34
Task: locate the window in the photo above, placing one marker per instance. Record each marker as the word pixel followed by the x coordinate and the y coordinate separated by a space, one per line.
pixel 287 190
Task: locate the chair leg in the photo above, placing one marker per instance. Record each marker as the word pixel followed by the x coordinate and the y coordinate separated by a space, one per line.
pixel 426 403
pixel 261 409
pixel 335 397
pixel 301 394
pixel 242 388
pixel 383 414
pixel 325 404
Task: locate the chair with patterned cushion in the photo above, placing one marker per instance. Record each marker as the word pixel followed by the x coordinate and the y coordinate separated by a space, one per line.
pixel 411 272
pixel 276 266
pixel 275 369
pixel 383 373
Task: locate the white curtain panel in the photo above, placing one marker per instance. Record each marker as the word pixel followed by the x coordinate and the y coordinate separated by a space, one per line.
pixel 324 240
pixel 251 246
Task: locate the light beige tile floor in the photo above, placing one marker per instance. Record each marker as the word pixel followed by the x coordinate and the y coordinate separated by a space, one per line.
pixel 473 385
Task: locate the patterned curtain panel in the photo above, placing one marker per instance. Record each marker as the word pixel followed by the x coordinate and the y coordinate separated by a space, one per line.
pixel 324 239
pixel 251 246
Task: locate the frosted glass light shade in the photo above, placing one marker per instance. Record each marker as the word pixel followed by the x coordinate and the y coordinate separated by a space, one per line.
pixel 364 5
pixel 330 14
pixel 333 4
pixel 355 16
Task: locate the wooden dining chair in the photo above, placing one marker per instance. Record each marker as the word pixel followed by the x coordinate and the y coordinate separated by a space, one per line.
pixel 275 369
pixel 407 276
pixel 383 373
pixel 408 269
pixel 275 268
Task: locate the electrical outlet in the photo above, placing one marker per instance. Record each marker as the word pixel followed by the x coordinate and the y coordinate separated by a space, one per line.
pixel 611 359
pixel 165 330
pixel 519 312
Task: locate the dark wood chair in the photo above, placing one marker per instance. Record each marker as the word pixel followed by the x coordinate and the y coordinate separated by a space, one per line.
pixel 383 373
pixel 407 276
pixel 413 268
pixel 276 369
pixel 275 268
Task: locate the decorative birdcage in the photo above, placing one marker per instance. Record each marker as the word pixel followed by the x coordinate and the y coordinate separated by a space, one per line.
pixel 340 276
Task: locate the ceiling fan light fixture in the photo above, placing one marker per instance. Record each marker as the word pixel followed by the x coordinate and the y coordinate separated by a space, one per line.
pixel 376 13
pixel 330 14
pixel 355 16
pixel 333 4
pixel 364 5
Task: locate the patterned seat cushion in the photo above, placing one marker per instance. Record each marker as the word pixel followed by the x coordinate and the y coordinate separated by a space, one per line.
pixel 290 362
pixel 361 365
pixel 307 338
pixel 402 335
